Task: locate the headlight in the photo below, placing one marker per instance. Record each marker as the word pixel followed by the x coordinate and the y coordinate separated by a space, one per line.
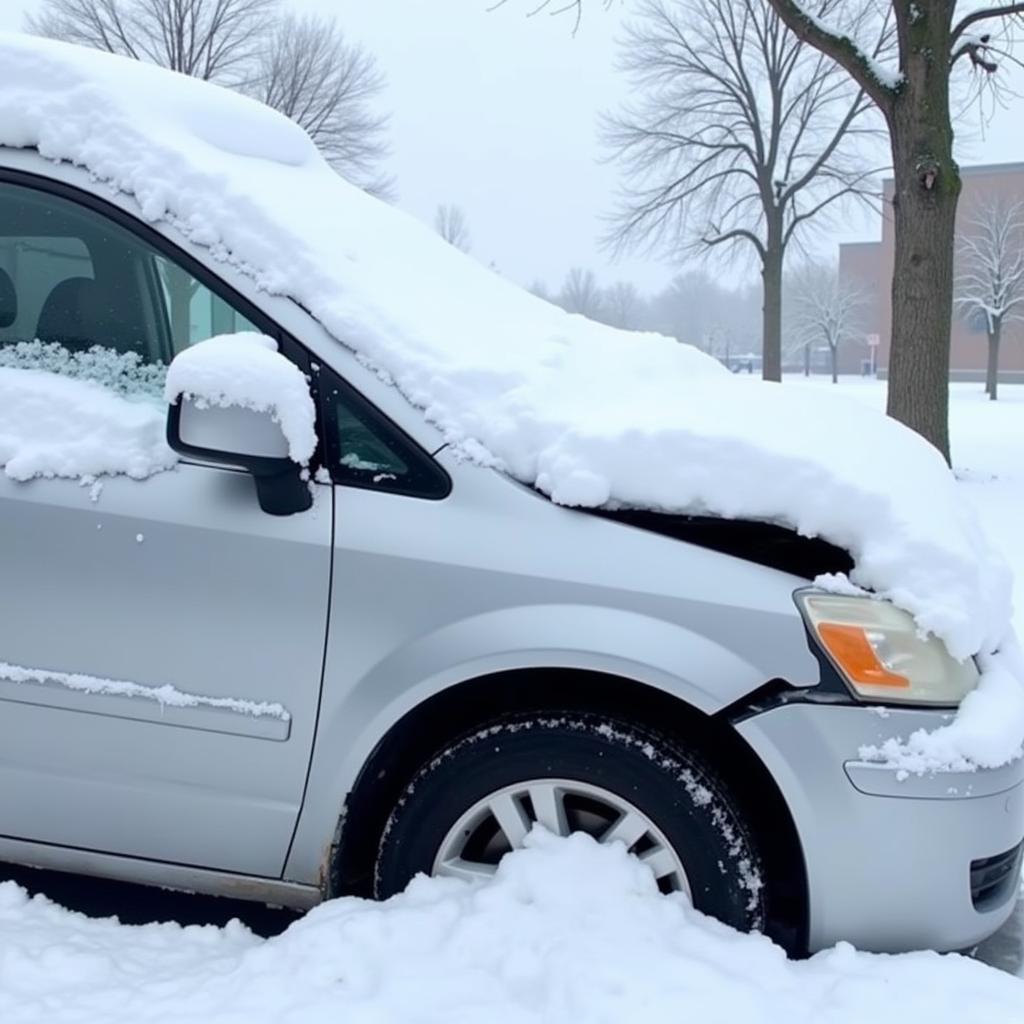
pixel 879 652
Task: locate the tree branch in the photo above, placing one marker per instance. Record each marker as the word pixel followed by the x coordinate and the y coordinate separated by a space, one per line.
pixel 842 49
pixel 977 50
pixel 983 14
pixel 732 236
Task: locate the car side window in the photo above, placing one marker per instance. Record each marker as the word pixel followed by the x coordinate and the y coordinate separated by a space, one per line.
pixel 81 295
pixel 365 449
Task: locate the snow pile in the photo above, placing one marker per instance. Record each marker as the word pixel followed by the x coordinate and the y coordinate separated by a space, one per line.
pixel 588 414
pixel 246 370
pixel 166 696
pixel 57 426
pixel 567 931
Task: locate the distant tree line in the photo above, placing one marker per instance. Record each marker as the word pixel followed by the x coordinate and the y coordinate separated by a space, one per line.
pixel 695 309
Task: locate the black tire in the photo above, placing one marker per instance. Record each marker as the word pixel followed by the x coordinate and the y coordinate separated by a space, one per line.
pixel 674 788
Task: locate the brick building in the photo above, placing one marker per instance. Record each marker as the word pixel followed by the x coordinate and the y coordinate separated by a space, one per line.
pixel 868 266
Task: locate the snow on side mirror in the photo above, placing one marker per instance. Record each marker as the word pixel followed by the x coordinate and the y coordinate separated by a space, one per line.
pixel 234 400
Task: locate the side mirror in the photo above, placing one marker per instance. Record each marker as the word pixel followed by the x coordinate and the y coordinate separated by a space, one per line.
pixel 241 437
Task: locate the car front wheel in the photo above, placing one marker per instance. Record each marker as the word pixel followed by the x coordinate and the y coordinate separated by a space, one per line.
pixel 478 798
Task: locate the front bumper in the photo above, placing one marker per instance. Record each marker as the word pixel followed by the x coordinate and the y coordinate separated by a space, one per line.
pixel 891 862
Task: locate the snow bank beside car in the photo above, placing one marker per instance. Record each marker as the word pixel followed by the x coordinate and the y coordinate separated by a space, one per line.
pixel 590 415
pixel 567 931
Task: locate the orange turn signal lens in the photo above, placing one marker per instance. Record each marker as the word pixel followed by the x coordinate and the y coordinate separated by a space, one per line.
pixel 850 647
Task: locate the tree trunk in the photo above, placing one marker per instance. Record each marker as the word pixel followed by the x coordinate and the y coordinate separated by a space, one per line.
pixel 992 372
pixel 834 352
pixel 807 359
pixel 927 187
pixel 771 311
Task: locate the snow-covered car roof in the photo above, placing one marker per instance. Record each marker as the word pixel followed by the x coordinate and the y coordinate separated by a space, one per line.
pixel 588 414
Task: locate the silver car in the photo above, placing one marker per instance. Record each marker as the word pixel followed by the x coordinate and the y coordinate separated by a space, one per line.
pixel 404 666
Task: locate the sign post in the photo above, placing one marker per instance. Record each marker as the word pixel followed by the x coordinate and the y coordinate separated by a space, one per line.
pixel 873 341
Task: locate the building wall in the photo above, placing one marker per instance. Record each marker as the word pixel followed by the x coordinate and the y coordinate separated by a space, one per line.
pixel 870 265
pixel 859 268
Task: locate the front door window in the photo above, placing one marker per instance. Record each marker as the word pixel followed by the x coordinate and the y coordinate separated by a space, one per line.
pixel 82 296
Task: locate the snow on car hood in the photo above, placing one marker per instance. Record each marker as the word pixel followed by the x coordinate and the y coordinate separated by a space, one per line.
pixel 588 414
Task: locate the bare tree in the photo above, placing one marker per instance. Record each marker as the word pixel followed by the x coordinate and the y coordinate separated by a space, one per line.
pixel 913 94
pixel 622 305
pixel 580 293
pixel 306 69
pixel 990 279
pixel 450 223
pixel 541 290
pixel 302 66
pixel 826 310
pixel 794 339
pixel 210 39
pixel 741 137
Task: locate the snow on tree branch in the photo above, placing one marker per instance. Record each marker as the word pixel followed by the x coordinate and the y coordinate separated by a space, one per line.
pixel 984 14
pixel 878 80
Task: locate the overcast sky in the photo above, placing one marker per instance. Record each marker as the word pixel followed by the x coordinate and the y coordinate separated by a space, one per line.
pixel 496 112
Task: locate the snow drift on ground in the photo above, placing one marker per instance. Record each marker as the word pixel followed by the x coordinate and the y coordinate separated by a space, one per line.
pixel 53 425
pixel 245 369
pixel 588 414
pixel 568 930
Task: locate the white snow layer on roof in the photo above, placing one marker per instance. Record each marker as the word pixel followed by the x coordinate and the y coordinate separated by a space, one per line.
pixel 57 426
pixel 245 369
pixel 566 931
pixel 589 414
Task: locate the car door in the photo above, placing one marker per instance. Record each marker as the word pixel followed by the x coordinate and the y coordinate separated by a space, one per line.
pixel 161 640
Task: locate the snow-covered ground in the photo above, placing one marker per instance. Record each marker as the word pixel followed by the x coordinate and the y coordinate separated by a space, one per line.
pixel 568 930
